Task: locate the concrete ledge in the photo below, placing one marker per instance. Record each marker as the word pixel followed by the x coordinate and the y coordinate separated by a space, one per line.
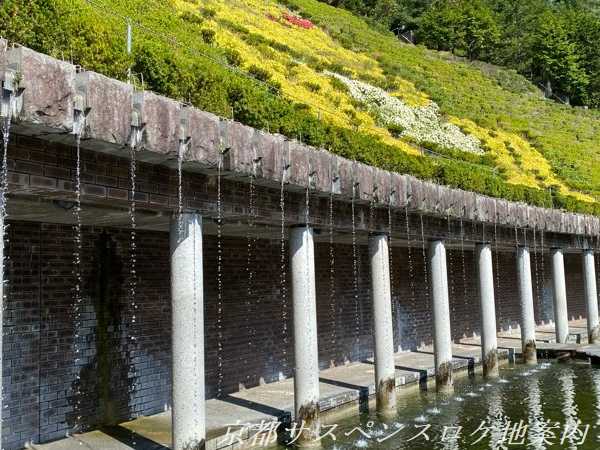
pixel 52 91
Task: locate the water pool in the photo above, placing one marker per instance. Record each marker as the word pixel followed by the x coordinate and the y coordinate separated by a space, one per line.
pixel 548 406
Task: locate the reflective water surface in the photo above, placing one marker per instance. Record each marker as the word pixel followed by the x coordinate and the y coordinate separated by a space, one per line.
pixel 548 406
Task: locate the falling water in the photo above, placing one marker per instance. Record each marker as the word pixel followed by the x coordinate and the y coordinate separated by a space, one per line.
pixel 250 273
pixel 451 264
pixel 542 265
pixel 180 190
pixel 133 331
pixel 77 297
pixel 391 264
pixel 411 274
pixel 4 183
pixel 219 279
pixel 464 265
pixel 355 272
pixel 535 269
pixel 424 254
pixel 283 275
pixel 496 251
pixel 332 300
pixel 3 192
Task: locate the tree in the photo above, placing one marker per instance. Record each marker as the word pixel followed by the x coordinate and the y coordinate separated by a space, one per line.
pixel 555 58
pixel 468 27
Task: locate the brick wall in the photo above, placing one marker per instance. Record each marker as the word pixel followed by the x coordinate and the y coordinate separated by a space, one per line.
pixel 47 394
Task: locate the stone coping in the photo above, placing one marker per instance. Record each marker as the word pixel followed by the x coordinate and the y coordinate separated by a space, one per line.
pixel 52 100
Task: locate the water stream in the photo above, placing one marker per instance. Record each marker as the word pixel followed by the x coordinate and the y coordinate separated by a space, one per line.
pixel 424 254
pixel 283 278
pixel 355 274
pixel 77 295
pixel 219 277
pixel 411 270
pixel 6 122
pixel 332 292
pixel 250 274
pixel 133 332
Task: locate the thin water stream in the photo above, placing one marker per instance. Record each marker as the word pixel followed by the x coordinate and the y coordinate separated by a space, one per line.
pixel 283 278
pixel 6 122
pixel 355 273
pixel 77 294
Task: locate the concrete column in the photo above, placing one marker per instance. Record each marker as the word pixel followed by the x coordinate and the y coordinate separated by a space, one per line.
pixel 187 296
pixel 591 296
pixel 489 341
pixel 561 315
pixel 385 368
pixel 527 310
pixel 306 377
pixel 442 335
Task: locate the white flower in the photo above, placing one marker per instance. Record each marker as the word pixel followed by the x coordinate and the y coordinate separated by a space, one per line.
pixel 421 123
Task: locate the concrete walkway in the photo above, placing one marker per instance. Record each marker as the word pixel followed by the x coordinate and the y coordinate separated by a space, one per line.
pixel 350 385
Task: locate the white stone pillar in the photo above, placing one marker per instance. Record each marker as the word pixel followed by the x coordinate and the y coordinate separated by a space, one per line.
pixel 442 334
pixel 527 311
pixel 187 297
pixel 385 367
pixel 561 315
pixel 591 296
pixel 489 341
pixel 306 352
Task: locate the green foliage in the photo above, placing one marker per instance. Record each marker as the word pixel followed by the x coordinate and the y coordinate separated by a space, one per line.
pixel 191 71
pixel 467 26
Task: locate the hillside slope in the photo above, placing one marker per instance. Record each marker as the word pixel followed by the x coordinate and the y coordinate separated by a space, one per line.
pixel 321 75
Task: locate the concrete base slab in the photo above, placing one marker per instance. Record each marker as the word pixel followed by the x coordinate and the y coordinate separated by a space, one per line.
pixel 348 385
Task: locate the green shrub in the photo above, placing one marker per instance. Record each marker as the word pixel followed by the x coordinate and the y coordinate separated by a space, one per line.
pixel 208 35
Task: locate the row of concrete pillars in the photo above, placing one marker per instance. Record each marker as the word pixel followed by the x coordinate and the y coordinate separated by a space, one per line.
pixel 188 323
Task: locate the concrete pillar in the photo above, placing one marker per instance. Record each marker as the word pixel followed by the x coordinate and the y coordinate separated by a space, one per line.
pixel 187 296
pixel 561 315
pixel 527 310
pixel 442 335
pixel 385 368
pixel 591 296
pixel 306 377
pixel 489 341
